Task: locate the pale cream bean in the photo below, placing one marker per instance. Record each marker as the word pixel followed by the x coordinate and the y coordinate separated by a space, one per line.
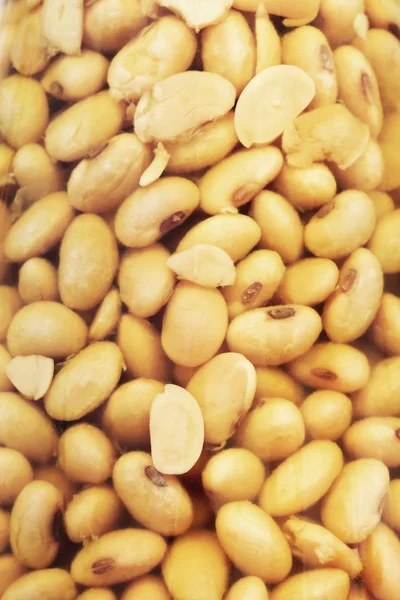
pixel 10 304
pixel 323 584
pixel 212 96
pixel 268 42
pixel 383 203
pixel 148 587
pixel 293 12
pixel 231 378
pixel 341 226
pixel 317 547
pixel 337 20
pixel 31 375
pixel 327 414
pixel 274 335
pixel 159 502
pixel 29 52
pixel 84 127
pixel 36 524
pixel 233 474
pixel 118 556
pixel 352 307
pixel 36 174
pixel 391 505
pixel 253 541
pixel 385 242
pixel 92 512
pixel 273 213
pixel 380 555
pixel 238 178
pixel 100 184
pixel 16 474
pixel 358 87
pixel 85 382
pixel 257 279
pixel 85 454
pixel 248 587
pixel 309 138
pixel 62 25
pixel 205 265
pixel 145 281
pixel 5 358
pixel 307 48
pixel 382 50
pixel 302 479
pixel 48 329
pixel 273 382
pixel 54 475
pixel 374 437
pixel 56 584
pixel 385 330
pixel 211 144
pixel 236 234
pixel 142 350
pixel 353 506
pixel 358 592
pixel 164 48
pixel 7 34
pixel 40 228
pixel 321 275
pixel 270 102
pixel 4 530
pixel 126 416
pixel 191 556
pixel 11 570
pixel 192 309
pixel 151 212
pixel 97 594
pixel 387 142
pixel 73 78
pixel 366 173
pixel 199 16
pixel 228 48
pixel 110 24
pixel 37 280
pixel 22 424
pixel 107 317
pixel 272 430
pixel 331 366
pixel 380 395
pixel 306 188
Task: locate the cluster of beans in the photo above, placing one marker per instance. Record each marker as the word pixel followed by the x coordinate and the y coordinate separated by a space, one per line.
pixel 200 300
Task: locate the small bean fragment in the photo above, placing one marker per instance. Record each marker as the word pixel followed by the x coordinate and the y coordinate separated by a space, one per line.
pixel 380 555
pixel 142 350
pixel 268 42
pixel 148 587
pixel 257 279
pixel 232 379
pixel 274 335
pixel 198 16
pixel 384 242
pixel 391 506
pixel 374 437
pixel 40 228
pixel 16 474
pixel 109 24
pixel 323 584
pixel 270 102
pixel 253 541
pixel 302 479
pixel 24 112
pixel 353 506
pixel 47 329
pixel 157 166
pixel 337 19
pixel 327 414
pixel 83 127
pixel 151 212
pixel 273 213
pixel 10 304
pixel 92 512
pixel 342 226
pixel 191 556
pixel 36 174
pixel 385 330
pixel 309 138
pixel 118 556
pixel 272 430
pixel 383 203
pixel 4 530
pixel 73 78
pixel 321 275
pixel 126 416
pixel 231 475
pixel 159 502
pixel 53 584
pixel 35 525
pixel 366 173
pixel 5 358
pixel 211 96
pixel 236 234
pixel 306 188
pixel 37 280
pixel 29 51
pixel 380 395
pixel 107 317
pixel 237 179
pixel 85 454
pixel 273 382
pixel 205 265
pixel 62 25
pixel 97 594
pixel 54 475
pixel 31 375
pixel 315 59
pixel 246 588
pixel 317 547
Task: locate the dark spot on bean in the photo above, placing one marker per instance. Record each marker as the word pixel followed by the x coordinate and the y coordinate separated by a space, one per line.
pixel 366 87
pixel 348 280
pixel 325 210
pixel 326 58
pixel 57 526
pixel 56 89
pixel 172 221
pixel 281 313
pixel 324 374
pixel 155 476
pixel 245 193
pixel 251 292
pixel 395 29
pixel 103 565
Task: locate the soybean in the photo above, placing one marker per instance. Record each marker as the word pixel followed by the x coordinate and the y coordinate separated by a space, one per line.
pixel 337 19
pixel 321 275
pixel 36 174
pixel 320 583
pixel 327 414
pixel 107 317
pixel 56 584
pixel 10 304
pixel 387 141
pixel 275 382
pixel 268 42
pixel 147 587
pixel 380 554
pixel 380 395
pixel 366 173
pixel 306 188
pixel 248 587
pixel 54 475
pixel 374 437
pixel 384 242
pixel 385 330
pixel 11 570
pixel 390 512
pixel 29 52
pixel 38 280
pixel 16 474
pixel 204 264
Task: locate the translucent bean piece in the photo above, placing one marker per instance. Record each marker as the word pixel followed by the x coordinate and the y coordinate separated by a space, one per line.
pixel 198 14
pixel 31 375
pixel 204 264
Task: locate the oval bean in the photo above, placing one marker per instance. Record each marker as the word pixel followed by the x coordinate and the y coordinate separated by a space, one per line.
pixel 384 242
pixel 54 475
pixel 148 587
pixel 383 203
pixel 380 554
pixel 56 584
pixel 37 281
pixel 337 19
pixel 374 437
pixel 327 414
pixel 36 174
pixel 321 275
pixel 29 52
pixel 390 512
pixel 273 382
pixel 306 188
pixel 10 570
pixel 97 594
pixel 10 305
pixel 366 173
pixel 268 42
pixel 320 583
pixel 16 474
pixel 248 587
pixel 385 330
pixel 380 395
pixel 387 141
